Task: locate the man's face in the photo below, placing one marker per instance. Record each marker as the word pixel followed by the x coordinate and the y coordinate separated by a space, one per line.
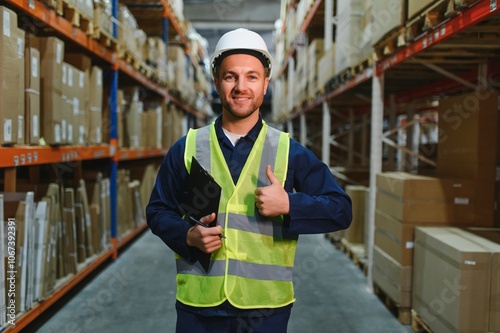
pixel 241 83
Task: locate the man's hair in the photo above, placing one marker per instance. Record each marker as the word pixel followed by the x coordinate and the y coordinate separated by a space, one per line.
pixel 262 58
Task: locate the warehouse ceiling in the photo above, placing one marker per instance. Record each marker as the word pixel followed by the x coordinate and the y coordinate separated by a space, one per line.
pixel 212 18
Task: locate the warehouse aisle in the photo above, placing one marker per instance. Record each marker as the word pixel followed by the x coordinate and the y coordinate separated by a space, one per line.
pixel 137 294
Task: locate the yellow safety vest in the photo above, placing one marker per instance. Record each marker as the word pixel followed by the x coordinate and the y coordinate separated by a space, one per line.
pixel 253 268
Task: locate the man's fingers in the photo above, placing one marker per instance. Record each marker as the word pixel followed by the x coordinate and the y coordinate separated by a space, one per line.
pixel 270 175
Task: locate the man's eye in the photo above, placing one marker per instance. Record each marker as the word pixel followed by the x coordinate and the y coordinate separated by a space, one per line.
pixel 229 78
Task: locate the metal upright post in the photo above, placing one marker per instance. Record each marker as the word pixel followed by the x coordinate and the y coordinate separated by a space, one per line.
pixel 289 125
pixel 375 161
pixel 327 126
pixel 303 129
pixel 114 139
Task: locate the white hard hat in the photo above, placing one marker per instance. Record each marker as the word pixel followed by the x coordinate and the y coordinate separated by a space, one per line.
pixel 241 41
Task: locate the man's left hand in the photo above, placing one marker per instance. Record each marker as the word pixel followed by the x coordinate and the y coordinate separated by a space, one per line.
pixel 272 200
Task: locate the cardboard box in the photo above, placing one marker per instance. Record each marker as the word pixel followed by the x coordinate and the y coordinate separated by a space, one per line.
pixel 347 42
pixel 314 52
pixel 356 231
pixel 95 106
pixel 32 95
pixel 410 186
pixel 387 16
pixel 51 73
pixel 134 124
pixel 20 93
pixel 455 274
pixel 394 279
pixel 420 199
pixel 67 104
pixel 467 129
pixel 11 94
pixel 326 68
pixel 394 238
pixel 426 211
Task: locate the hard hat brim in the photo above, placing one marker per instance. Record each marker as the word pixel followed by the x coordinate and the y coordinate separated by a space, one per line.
pixel 259 55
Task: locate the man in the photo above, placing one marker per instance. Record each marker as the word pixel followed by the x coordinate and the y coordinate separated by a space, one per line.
pixel 273 189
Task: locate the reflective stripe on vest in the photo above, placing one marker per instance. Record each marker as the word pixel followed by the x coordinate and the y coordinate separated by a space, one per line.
pixel 253 268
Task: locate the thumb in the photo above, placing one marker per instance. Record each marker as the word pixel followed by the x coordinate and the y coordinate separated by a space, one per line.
pixel 270 175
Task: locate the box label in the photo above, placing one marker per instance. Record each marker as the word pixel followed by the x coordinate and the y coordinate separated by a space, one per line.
pixel 59 51
pixel 20 127
pixel 20 48
pixel 70 133
pixel 81 134
pixel 76 106
pixel 63 130
pixel 7 130
pixel 57 133
pixel 34 67
pixel 461 201
pixel 6 23
pixel 34 125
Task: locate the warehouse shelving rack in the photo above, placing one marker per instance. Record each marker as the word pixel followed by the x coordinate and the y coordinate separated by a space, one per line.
pixel 40 15
pixel 456 55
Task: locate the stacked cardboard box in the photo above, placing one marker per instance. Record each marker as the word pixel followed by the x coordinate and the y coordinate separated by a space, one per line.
pixel 51 72
pixel 314 52
pixel 152 123
pixel 75 104
pixel 279 100
pixel 457 274
pixel 468 136
pixel 12 78
pixel 99 207
pixel 405 201
pixel 326 68
pixel 300 78
pixel 353 34
pixel 356 232
pixel 178 62
pixel 103 17
pixel 131 204
pixel 86 7
pixel 387 17
pixel 32 95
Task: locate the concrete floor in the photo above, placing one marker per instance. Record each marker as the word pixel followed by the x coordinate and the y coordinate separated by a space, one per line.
pixel 136 293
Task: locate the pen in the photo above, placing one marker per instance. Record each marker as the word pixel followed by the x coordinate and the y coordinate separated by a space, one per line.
pixel 203 225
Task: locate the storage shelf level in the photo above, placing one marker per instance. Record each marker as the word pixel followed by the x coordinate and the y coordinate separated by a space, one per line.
pixel 25 156
pixel 134 154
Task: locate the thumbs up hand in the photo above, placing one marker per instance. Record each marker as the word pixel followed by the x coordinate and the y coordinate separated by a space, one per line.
pixel 272 200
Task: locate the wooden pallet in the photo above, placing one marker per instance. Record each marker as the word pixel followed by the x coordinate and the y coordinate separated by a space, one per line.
pixel 390 43
pixel 50 3
pixel 104 38
pixel 433 16
pixel 338 79
pixel 403 314
pixel 145 70
pixel 128 57
pixel 334 238
pixel 363 65
pixel 355 252
pixel 417 324
pixel 75 16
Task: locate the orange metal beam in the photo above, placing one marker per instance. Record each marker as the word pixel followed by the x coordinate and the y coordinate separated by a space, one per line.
pixel 21 156
pixel 468 18
pixel 134 154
